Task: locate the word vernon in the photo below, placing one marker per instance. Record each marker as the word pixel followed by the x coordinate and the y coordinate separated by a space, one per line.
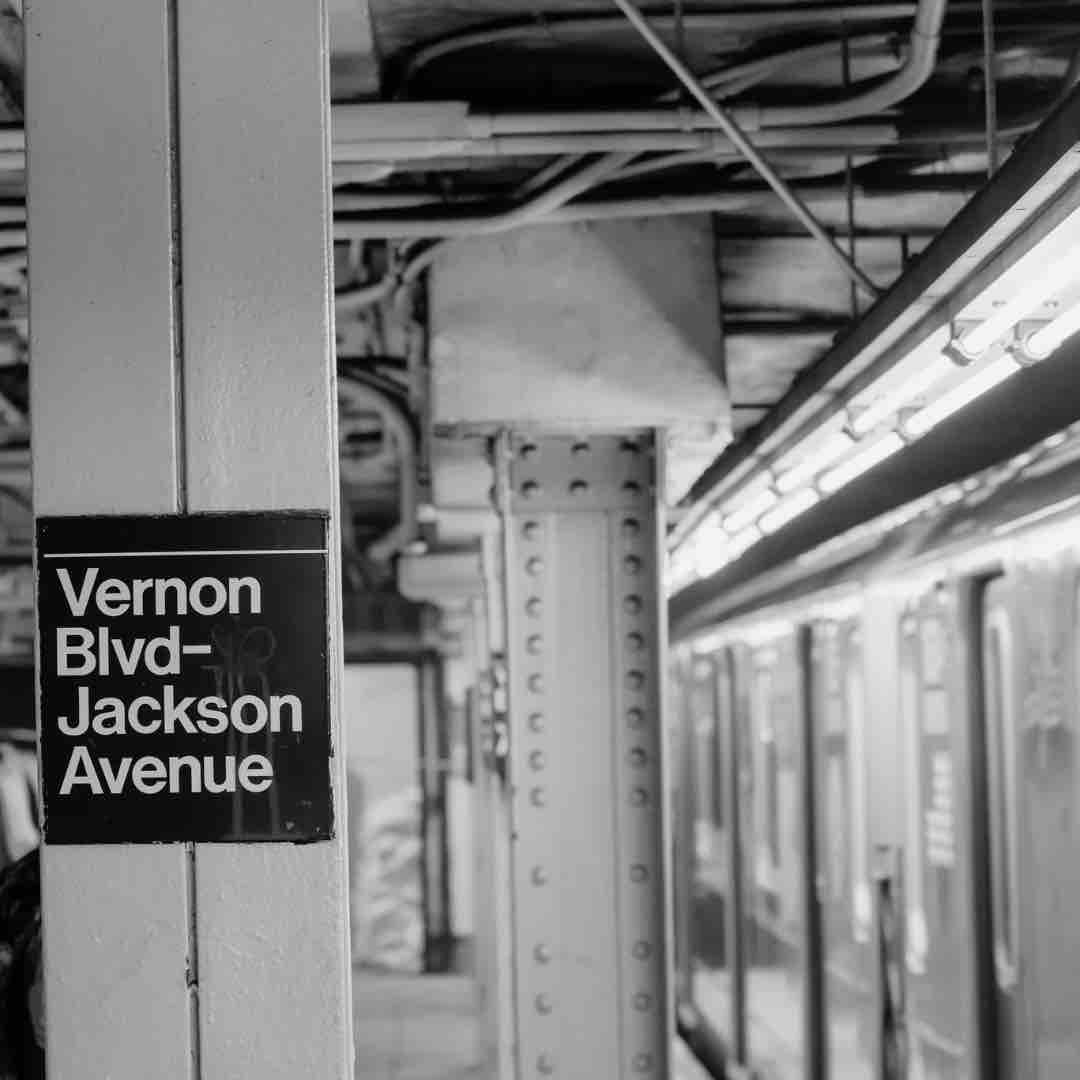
pixel 171 595
pixel 82 652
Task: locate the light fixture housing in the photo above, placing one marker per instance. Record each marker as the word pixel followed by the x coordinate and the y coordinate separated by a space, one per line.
pixel 989 282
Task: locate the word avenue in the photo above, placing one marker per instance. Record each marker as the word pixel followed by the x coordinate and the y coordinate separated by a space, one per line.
pixel 184 684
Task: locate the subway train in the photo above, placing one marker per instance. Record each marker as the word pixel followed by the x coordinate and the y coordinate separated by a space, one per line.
pixel 876 795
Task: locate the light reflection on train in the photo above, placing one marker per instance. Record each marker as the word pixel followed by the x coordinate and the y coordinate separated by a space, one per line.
pixel 893 721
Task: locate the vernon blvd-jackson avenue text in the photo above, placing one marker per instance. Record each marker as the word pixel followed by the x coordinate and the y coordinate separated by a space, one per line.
pixel 82 652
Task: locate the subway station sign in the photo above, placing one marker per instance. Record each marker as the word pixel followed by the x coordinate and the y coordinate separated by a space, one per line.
pixel 184 678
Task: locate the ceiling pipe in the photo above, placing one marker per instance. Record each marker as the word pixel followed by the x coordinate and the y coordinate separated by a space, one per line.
pixel 352 151
pixel 736 78
pixel 651 205
pixel 352 123
pixel 781 18
pixel 748 150
pixel 349 301
pixel 923 43
pixel 632 142
pixel 883 95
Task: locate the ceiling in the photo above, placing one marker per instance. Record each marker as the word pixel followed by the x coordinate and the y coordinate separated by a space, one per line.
pixel 884 182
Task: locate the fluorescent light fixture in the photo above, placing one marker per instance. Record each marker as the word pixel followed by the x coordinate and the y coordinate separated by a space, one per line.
pixel 1046 339
pixel 833 448
pixel 790 508
pixel 1033 293
pixel 961 395
pixel 865 459
pixel 934 369
pixel 749 511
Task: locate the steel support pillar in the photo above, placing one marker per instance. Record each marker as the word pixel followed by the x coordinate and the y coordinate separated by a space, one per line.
pixel 181 339
pixel 584 634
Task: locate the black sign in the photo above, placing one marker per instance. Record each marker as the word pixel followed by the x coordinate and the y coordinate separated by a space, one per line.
pixel 184 678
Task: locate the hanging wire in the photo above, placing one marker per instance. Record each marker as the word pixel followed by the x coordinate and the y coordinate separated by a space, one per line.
pixel 990 87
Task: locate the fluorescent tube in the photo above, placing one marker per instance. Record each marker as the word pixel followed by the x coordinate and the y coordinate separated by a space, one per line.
pixel 741 541
pixel 833 448
pixel 866 459
pixel 1046 339
pixel 748 513
pixel 961 395
pixel 790 508
pixel 1035 292
pixel 935 368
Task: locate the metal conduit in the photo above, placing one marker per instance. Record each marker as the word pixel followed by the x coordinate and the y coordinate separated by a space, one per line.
pixel 664 204
pixel 884 94
pixel 548 200
pixel 923 44
pixel 643 142
pixel 487 130
pixel 738 77
pixel 736 21
pixel 733 132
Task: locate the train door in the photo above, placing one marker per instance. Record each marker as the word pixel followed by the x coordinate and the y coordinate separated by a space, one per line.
pixel 939 932
pixel 1031 666
pixel 773 819
pixel 713 936
pixel 843 848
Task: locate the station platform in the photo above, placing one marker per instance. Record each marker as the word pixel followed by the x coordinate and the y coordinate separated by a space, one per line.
pixel 424 1027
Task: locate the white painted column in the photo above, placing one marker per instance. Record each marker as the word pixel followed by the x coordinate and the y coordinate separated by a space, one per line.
pixel 181 361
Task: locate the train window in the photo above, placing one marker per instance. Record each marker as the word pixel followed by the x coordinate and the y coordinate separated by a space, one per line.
pixel 767 768
pixel 1000 720
pixel 835 779
pixel 917 932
